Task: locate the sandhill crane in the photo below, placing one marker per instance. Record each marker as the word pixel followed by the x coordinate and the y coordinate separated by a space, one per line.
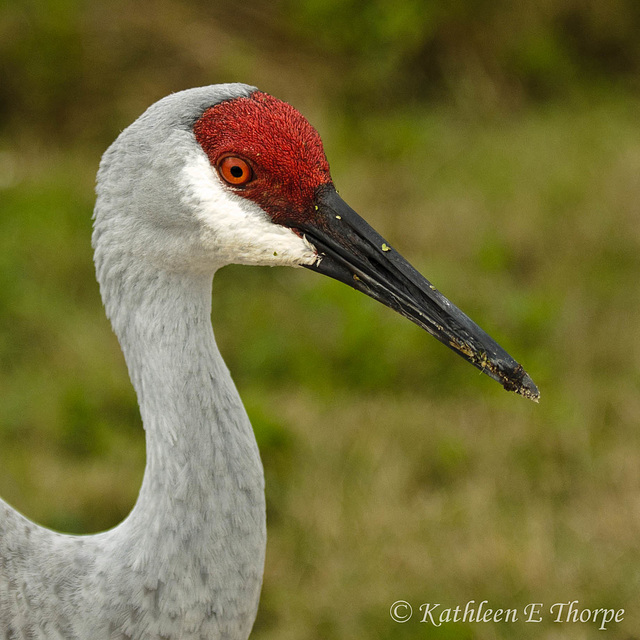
pixel 205 177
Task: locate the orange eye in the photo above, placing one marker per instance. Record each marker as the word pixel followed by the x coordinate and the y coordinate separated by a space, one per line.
pixel 235 171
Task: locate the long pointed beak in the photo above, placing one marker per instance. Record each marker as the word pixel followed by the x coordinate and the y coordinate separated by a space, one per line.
pixel 351 251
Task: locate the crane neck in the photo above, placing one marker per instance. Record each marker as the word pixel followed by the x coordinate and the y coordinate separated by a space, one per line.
pixel 201 508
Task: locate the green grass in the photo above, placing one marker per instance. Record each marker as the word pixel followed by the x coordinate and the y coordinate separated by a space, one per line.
pixel 394 469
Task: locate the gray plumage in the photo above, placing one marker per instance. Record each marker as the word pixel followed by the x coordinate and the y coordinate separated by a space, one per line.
pixel 188 560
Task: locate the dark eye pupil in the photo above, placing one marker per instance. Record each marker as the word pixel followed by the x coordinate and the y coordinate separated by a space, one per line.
pixel 236 171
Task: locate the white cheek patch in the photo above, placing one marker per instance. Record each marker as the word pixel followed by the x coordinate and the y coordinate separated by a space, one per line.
pixel 236 230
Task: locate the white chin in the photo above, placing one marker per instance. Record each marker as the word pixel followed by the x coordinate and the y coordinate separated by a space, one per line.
pixel 235 229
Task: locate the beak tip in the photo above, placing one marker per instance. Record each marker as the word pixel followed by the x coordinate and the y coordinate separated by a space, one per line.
pixel 527 388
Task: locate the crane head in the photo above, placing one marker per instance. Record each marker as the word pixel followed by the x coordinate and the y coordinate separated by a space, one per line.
pixel 228 174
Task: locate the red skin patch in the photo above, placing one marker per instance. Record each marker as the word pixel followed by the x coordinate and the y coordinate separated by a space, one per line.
pixel 285 153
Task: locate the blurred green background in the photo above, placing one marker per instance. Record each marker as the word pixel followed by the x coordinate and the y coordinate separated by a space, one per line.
pixel 497 145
